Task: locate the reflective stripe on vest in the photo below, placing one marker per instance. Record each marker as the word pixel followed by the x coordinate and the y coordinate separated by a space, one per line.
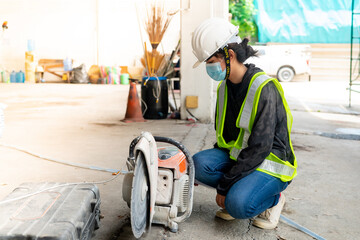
pixel 275 167
pixel 272 164
pixel 249 101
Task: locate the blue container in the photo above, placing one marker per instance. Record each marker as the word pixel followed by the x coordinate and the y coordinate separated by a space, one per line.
pixel 20 77
pixel 67 64
pixel 13 77
pixel 30 45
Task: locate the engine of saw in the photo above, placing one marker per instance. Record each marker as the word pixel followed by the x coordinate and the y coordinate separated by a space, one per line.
pixel 159 186
pixel 172 186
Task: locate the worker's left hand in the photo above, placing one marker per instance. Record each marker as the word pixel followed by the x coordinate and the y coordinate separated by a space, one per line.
pixel 220 200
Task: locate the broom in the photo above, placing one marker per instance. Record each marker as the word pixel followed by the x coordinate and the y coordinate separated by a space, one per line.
pixel 156 24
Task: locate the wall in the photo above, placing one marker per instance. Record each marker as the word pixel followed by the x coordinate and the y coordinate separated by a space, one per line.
pixel 331 62
pixel 196 82
pixel 89 31
pixel 119 34
pixel 56 27
pixel 107 32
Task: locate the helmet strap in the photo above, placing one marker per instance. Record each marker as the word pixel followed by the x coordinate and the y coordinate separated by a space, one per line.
pixel 227 62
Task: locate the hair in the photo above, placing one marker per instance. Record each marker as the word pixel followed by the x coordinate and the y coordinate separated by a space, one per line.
pixel 243 51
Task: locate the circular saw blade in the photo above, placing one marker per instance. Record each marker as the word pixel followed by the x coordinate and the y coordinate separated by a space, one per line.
pixel 140 198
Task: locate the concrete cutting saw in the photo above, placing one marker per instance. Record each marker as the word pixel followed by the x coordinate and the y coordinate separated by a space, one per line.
pixel 159 185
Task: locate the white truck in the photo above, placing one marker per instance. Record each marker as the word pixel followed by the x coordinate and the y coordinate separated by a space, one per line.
pixel 283 61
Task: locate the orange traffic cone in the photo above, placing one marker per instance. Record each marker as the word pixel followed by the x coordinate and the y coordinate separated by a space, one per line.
pixel 133 110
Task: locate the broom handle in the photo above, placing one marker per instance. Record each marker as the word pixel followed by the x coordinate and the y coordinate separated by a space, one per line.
pixel 153 60
pixel 147 60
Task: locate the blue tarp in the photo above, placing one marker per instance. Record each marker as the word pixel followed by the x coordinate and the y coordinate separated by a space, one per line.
pixel 305 21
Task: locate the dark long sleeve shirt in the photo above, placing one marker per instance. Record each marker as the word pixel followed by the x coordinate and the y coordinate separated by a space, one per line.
pixel 269 132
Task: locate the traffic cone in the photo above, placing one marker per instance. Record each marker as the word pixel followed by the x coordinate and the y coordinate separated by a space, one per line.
pixel 133 110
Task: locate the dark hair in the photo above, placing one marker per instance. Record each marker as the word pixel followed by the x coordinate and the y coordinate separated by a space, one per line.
pixel 243 51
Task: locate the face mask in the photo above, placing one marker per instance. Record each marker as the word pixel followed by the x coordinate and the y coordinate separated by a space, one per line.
pixel 215 72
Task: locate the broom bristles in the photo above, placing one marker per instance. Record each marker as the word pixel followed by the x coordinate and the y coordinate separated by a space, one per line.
pixel 156 23
pixel 152 61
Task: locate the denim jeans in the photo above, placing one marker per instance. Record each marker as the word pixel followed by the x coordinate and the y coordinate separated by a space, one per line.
pixel 246 198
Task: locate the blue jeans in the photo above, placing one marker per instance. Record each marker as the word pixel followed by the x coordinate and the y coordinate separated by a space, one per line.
pixel 246 198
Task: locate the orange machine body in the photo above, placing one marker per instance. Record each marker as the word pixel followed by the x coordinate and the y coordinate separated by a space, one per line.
pixel 172 158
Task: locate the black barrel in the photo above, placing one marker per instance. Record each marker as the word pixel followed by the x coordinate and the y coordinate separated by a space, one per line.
pixel 151 89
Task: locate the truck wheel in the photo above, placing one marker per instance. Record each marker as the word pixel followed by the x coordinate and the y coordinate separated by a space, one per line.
pixel 285 74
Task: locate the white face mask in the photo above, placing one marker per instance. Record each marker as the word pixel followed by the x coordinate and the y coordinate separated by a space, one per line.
pixel 215 71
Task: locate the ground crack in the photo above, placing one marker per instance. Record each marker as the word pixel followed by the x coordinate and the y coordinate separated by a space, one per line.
pixel 249 225
pixel 187 133
pixel 203 141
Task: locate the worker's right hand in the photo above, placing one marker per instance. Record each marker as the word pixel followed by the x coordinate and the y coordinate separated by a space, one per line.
pixel 220 200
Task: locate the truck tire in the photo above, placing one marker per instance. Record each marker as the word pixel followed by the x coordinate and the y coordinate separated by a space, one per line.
pixel 285 74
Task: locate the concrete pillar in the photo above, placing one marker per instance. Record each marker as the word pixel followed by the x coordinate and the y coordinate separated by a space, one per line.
pixel 196 82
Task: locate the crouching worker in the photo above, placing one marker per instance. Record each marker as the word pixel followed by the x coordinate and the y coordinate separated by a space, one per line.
pixel 253 160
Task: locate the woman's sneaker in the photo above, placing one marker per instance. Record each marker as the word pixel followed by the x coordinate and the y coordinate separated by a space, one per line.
pixel 270 217
pixel 223 214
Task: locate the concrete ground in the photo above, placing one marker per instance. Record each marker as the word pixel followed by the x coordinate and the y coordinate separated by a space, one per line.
pixel 81 124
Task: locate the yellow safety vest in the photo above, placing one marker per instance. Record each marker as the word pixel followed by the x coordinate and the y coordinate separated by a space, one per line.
pixel 272 165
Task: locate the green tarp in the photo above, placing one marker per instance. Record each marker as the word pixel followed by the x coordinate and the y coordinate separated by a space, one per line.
pixel 305 21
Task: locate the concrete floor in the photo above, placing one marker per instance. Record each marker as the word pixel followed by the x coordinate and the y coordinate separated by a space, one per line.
pixel 81 124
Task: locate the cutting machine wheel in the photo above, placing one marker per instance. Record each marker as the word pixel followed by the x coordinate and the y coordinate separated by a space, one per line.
pixel 140 198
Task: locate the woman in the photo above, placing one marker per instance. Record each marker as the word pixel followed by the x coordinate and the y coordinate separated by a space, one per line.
pixel 253 160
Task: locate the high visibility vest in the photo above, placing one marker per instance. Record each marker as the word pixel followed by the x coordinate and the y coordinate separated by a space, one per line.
pixel 272 164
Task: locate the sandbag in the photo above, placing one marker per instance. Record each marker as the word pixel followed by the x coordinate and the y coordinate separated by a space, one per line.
pixel 80 75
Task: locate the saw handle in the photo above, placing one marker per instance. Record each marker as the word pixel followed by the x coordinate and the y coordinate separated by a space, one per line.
pixel 132 146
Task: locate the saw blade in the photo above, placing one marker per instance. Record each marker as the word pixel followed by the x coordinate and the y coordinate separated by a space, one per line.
pixel 140 198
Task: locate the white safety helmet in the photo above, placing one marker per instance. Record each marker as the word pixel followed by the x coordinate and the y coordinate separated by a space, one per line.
pixel 210 36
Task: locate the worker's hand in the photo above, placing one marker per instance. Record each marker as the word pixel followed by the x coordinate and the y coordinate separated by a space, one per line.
pixel 220 200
